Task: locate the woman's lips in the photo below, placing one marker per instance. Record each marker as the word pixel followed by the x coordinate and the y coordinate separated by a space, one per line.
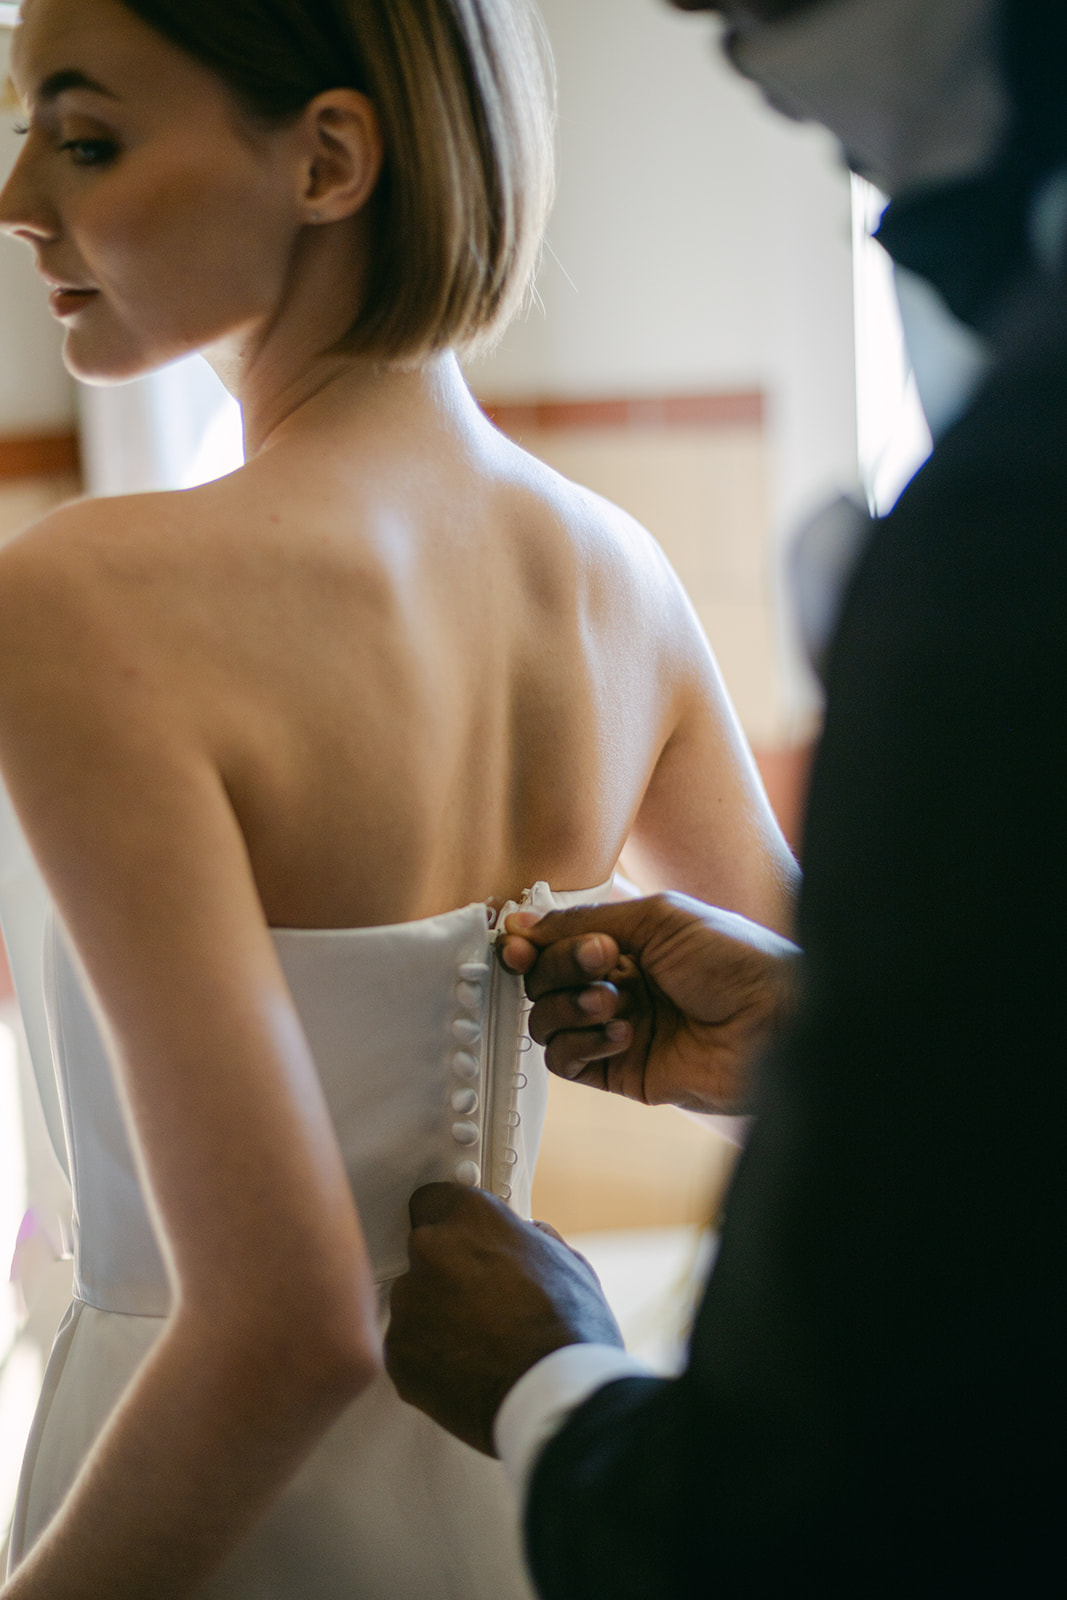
pixel 65 302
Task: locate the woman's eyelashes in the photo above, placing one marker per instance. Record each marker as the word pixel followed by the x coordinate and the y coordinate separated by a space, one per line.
pixel 86 150
pixel 90 152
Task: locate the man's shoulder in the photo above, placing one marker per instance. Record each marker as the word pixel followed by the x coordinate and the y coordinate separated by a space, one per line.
pixel 981 531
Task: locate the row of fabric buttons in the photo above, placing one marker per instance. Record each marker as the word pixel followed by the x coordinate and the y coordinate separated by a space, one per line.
pixel 466 1068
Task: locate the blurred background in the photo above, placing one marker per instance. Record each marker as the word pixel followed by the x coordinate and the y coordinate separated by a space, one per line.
pixel 713 345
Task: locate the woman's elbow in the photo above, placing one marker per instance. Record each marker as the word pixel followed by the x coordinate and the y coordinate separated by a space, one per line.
pixel 317 1349
pixel 330 1347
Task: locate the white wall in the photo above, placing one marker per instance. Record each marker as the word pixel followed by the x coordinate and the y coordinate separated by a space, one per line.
pixel 699 242
pixel 36 395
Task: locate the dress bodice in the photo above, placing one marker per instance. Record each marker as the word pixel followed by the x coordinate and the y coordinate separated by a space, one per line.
pixel 417 1032
pixel 419 1040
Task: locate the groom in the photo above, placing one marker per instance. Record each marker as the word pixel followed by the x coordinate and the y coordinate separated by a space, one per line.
pixel 876 1396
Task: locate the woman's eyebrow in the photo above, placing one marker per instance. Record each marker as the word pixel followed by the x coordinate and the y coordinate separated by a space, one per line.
pixel 58 83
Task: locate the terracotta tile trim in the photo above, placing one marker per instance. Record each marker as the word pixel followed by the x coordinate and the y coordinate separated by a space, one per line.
pixel 46 455
pixel 744 408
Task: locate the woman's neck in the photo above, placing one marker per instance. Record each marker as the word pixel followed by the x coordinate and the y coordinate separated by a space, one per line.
pixel 292 362
pixel 339 389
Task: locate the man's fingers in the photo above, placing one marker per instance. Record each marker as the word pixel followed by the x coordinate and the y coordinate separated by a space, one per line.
pixel 620 919
pixel 569 1055
pixel 457 1204
pixel 437 1202
pixel 547 1228
pixel 517 954
pixel 572 964
pixel 572 961
pixel 564 1009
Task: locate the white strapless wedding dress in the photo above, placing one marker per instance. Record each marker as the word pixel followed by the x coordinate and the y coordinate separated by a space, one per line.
pixel 419 1039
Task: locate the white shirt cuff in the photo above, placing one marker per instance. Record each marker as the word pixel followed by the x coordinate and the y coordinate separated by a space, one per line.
pixel 538 1405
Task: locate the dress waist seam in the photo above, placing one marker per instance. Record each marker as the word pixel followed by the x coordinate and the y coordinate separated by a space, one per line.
pixel 82 1299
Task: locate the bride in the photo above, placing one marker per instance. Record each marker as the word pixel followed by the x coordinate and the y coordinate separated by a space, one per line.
pixel 280 746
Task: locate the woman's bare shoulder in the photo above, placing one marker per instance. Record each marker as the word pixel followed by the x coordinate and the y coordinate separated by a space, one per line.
pixel 89 535
pixel 620 564
pixel 82 592
pixel 93 553
pixel 47 571
pixel 602 534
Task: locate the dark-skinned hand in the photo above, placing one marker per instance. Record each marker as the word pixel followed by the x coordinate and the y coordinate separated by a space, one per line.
pixel 487 1295
pixel 664 1000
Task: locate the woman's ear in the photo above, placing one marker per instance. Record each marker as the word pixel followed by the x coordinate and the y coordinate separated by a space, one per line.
pixel 343 154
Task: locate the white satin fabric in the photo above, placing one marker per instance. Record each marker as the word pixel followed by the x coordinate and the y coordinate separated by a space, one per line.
pixel 419 1038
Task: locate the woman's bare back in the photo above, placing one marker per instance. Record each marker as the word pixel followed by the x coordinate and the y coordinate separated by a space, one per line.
pixel 429 669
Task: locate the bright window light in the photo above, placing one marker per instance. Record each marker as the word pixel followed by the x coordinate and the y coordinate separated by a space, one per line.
pixel 9 15
pixel 20 1362
pixel 174 429
pixel 894 440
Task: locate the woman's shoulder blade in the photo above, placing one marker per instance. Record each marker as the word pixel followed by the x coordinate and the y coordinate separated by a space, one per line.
pixel 606 538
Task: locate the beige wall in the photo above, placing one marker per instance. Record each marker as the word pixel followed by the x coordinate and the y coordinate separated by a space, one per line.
pixel 610 1163
pixel 26 499
pixel 699 243
pixel 703 491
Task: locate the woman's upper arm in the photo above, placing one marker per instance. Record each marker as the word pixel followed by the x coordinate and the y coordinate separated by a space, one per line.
pixel 705 825
pixel 128 816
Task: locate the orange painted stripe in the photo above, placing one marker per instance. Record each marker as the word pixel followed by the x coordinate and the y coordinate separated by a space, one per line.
pixel 47 455
pixel 744 408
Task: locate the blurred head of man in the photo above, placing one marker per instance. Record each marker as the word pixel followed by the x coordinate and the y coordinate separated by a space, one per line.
pixel 955 108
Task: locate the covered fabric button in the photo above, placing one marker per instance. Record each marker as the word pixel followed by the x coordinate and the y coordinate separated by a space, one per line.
pixel 469 994
pixel 473 971
pixel 464 1101
pixel 464 1065
pixel 466 1030
pixel 470 1173
pixel 465 1132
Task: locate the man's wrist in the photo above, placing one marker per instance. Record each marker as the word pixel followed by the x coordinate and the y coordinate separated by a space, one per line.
pixel 539 1403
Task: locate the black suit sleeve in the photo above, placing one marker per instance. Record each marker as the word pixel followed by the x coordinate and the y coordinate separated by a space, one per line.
pixel 875 1401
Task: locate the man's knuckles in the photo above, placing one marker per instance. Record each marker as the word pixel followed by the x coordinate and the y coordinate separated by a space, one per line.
pixel 444 1204
pixel 569 1011
pixel 570 963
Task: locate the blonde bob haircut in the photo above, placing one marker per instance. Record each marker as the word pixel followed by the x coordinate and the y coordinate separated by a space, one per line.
pixel 463 90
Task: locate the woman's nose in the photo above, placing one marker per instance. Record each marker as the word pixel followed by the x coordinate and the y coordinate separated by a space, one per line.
pixel 24 212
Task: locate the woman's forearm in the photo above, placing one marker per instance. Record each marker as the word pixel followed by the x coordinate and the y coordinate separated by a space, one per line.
pixel 208 1433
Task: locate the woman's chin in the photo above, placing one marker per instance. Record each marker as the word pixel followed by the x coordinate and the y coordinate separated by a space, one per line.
pixel 102 368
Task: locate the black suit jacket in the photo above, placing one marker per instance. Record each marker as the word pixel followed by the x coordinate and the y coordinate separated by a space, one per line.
pixel 876 1400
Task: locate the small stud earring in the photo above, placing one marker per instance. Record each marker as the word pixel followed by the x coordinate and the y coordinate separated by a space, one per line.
pixel 315 216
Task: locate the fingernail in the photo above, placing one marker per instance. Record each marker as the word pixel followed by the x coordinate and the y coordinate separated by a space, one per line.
pixel 617 1032
pixel 513 954
pixel 590 954
pixel 522 919
pixel 591 1001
